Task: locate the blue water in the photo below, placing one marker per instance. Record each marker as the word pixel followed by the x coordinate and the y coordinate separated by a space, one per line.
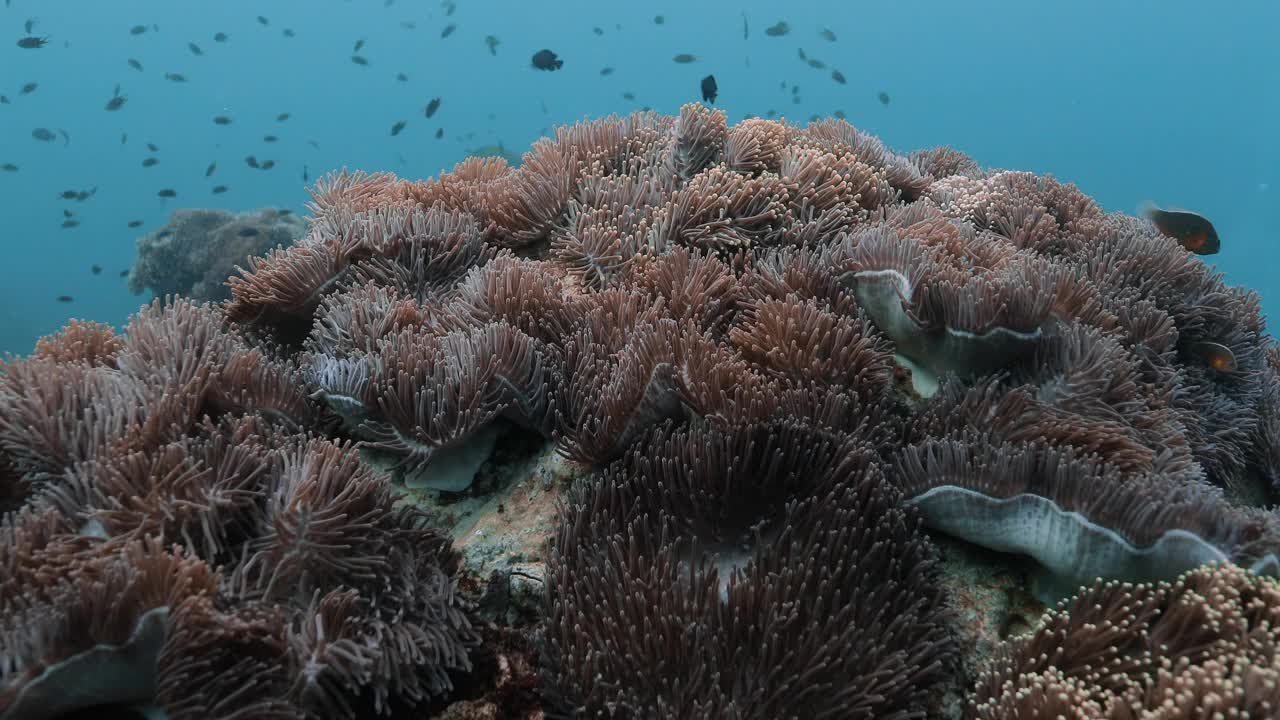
pixel 1174 102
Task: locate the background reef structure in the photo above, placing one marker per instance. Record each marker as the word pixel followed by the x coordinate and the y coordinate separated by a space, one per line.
pixel 782 356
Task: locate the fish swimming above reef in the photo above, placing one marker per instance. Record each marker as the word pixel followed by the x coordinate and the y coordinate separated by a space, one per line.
pixel 137 29
pixel 1192 231
pixel 117 101
pixel 175 77
pixel 778 29
pixel 685 58
pixel 546 60
pixel 28 88
pixel 32 43
pixel 432 107
pixel 397 127
pixel 43 134
pixel 709 88
pixel 218 189
pixel 220 37
pixel 135 64
pixel 884 97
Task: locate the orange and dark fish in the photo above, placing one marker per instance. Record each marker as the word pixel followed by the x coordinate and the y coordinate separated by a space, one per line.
pixel 1192 231
pixel 1215 356
pixel 546 60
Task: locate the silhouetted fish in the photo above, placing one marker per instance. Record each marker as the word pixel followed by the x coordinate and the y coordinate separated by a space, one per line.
pixel 28 88
pixel 359 60
pixel 150 162
pixel 220 37
pixel 263 21
pixel 439 133
pixel 9 167
pixel 209 170
pixel 32 43
pixel 219 189
pixel 222 120
pixel 117 101
pixel 359 44
pixel 43 134
pixel 135 64
pixel 827 35
pixel 135 223
pixel 606 71
pixel 685 58
pixel 68 224
pixel 546 60
pixel 838 76
pixel 65 299
pixel 744 25
pixel 288 32
pixel 778 29
pixel 597 31
pixel 432 107
pixel 194 48
pixel 397 127
pixel 167 193
pixel 1192 231
pixel 268 164
pixel 282 117
pixel 448 30
pixel 402 77
pixel 884 97
pixel 95 269
pixel 175 77
pixel 709 88
pixel 153 147
pixel 491 42
pixel 658 19
pixel 124 273
pixel 137 29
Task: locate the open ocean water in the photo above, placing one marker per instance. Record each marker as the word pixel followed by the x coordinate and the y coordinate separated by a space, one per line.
pixel 1172 102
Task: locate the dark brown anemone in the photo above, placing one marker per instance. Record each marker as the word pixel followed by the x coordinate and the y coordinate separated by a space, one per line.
pixel 717 574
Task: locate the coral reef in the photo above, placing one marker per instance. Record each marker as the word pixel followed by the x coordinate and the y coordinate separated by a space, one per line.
pixel 198 249
pixel 772 359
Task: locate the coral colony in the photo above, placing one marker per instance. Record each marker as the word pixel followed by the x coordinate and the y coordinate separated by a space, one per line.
pixel 790 365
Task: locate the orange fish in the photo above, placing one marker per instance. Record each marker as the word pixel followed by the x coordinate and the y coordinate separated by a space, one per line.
pixel 1193 232
pixel 1215 355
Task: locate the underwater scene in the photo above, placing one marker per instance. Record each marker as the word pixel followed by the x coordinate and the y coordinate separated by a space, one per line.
pixel 475 360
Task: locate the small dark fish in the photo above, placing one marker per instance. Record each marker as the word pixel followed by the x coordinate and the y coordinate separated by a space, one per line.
pixel 150 162
pixel 606 71
pixel 838 76
pixel 286 212
pixel 124 138
pixel 305 175
pixel 135 64
pixel 222 120
pixel 314 144
pixel 432 107
pixel 777 30
pixel 208 172
pixel 251 161
pixel 803 57
pixel 449 7
pixel 1215 356
pixel 28 88
pixel 124 273
pixel 839 114
pixel 29 25
pixel 43 134
pixel 359 60
pixel 744 25
pixel 884 97
pixel 288 32
pixel 68 224
pixel 152 147
pixel 685 58
pixel 167 193
pixel 9 167
pixel 194 48
pixel 402 77
pixel 137 29
pixel 827 35
pixel 709 88
pixel 66 137
pixel 597 31
pixel 4 100
pixel 86 194
pixel 395 129
pixel 817 64
pixel 67 214
pixel 220 37
pixel 408 25
pixel 135 223
pixel 628 96
pixel 65 299
pixel 95 269
pixel 658 19
pixel 263 21
pixel 439 133
pixel 546 60
pixel 359 44
pixel 69 194
pixel 491 42
pixel 116 102
pixel 219 189
pixel 268 164
pixel 448 30
pixel 269 138
pixel 247 232
pixel 771 113
pixel 175 77
pixel 164 234
pixel 1192 231
pixel 282 117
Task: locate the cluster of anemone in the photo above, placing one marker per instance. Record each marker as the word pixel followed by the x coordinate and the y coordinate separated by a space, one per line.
pixel 782 353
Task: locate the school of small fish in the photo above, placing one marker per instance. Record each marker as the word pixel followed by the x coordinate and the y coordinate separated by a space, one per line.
pixel 1193 232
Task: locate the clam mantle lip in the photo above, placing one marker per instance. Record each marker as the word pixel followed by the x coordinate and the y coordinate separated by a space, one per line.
pixel 1076 550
